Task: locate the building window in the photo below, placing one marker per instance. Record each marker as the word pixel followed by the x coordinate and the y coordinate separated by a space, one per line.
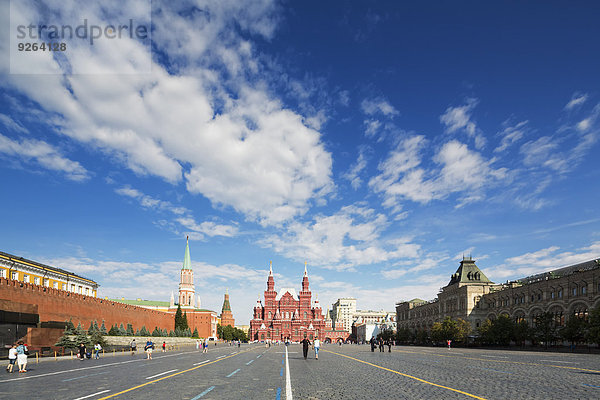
pixel 539 296
pixel 2 273
pixel 72 287
pixel 575 291
pixel 36 280
pixel 583 290
pixel 14 275
pixel 87 291
pixel 46 282
pixel 55 285
pixel 269 314
pixel 551 295
pixel 532 298
pixel 26 278
pixel 560 294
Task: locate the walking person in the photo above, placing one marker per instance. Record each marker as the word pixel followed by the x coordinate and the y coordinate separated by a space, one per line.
pixel 97 348
pixel 205 348
pixel 148 348
pixel 12 358
pixel 164 347
pixel 305 343
pixel 372 344
pixel 381 346
pixel 317 345
pixel 133 347
pixel 22 352
pixel 449 343
pixel 389 345
pixel 82 351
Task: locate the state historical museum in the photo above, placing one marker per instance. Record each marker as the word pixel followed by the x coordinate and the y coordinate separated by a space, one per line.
pixel 287 315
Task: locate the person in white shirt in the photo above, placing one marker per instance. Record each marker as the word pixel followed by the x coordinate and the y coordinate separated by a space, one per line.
pixel 317 345
pixel 97 348
pixel 12 358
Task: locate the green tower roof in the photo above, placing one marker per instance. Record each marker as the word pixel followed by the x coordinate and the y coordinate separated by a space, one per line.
pixel 468 272
pixel 187 261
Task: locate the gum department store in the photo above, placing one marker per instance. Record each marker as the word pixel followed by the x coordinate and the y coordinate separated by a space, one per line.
pixel 470 295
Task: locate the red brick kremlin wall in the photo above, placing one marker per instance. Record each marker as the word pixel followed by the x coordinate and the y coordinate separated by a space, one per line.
pixel 59 305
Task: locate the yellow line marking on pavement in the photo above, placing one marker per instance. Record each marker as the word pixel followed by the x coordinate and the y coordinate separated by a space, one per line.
pixel 172 375
pixel 505 361
pixel 408 376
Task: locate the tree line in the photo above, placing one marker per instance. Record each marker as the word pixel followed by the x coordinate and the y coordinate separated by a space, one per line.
pixel 503 331
pixel 73 336
pixel 230 333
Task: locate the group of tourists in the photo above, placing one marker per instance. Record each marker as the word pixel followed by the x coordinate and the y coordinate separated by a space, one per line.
pixel 17 354
pixel 379 342
pixel 148 348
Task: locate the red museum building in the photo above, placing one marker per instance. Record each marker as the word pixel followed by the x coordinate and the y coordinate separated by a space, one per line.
pixel 287 315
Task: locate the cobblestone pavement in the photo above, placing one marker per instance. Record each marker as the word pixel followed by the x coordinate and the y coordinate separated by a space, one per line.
pixel 342 372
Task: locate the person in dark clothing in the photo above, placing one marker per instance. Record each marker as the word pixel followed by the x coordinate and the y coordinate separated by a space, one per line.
pixel 82 351
pixel 389 345
pixel 381 346
pixel 305 343
pixel 372 345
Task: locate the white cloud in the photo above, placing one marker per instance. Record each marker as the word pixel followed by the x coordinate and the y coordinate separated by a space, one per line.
pixel 44 154
pixel 217 129
pixel 511 135
pixel 460 170
pixel 577 100
pixel 344 240
pixel 371 127
pixel 378 106
pixel 353 174
pixel 422 265
pixel 12 124
pixel 542 260
pixel 197 231
pixel 459 118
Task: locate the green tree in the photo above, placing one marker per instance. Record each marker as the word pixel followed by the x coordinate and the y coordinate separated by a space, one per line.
pixel 574 330
pixel 485 332
pixel 81 336
pixel 184 321
pixel 97 337
pixel 545 328
pixel 195 334
pixel 91 328
pixel 449 329
pixel 144 331
pixel 156 332
pixel 114 331
pixel 593 329
pixel 66 341
pixel 421 337
pixel 69 327
pixel 502 330
pixel 178 317
pixel 521 332
pixel 122 331
pixel 403 335
pixel 129 331
pixel 103 328
pixel 219 331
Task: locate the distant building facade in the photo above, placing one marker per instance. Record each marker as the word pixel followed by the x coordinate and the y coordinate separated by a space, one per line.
pixel 342 312
pixel 470 295
pixel 28 271
pixel 286 315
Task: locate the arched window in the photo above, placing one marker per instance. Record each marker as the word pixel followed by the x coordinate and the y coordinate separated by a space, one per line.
pixel 269 314
pixel 305 314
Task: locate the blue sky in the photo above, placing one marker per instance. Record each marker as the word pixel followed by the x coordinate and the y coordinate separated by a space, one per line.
pixel 378 141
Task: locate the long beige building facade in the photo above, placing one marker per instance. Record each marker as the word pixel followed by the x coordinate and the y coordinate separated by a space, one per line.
pixel 470 295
